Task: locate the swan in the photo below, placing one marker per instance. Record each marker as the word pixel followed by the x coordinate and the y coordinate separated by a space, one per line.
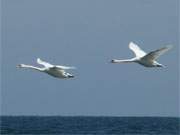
pixel 143 58
pixel 53 70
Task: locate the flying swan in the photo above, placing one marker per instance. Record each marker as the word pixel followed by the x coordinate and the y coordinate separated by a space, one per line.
pixel 53 70
pixel 143 58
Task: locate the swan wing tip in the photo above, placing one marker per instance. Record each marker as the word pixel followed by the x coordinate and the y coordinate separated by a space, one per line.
pixel 38 59
pixel 131 42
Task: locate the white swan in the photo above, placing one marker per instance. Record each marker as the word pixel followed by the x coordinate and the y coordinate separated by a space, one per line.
pixel 53 70
pixel 145 59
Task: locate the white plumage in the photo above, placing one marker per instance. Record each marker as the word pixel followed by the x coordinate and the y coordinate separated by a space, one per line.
pixel 53 70
pixel 143 58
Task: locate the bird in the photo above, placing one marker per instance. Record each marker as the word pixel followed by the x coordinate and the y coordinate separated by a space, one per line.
pixel 143 58
pixel 57 71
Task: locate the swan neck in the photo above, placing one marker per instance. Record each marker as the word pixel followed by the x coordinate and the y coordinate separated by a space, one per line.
pixel 32 67
pixel 123 61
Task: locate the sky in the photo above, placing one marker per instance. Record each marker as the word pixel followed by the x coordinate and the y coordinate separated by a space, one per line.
pixel 87 34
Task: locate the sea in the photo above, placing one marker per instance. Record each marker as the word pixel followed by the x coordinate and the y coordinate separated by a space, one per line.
pixel 82 125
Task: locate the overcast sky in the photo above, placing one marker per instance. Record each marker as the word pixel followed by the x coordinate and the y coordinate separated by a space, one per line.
pixel 87 34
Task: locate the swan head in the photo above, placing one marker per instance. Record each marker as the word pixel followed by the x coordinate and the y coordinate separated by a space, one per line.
pixel 20 65
pixel 112 61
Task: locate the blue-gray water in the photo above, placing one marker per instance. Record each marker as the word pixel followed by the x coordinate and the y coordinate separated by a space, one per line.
pixel 90 125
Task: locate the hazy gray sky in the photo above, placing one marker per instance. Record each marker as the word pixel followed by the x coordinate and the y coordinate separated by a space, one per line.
pixel 88 34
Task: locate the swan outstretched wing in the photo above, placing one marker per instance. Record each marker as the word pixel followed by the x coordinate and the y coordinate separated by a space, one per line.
pixel 46 64
pixel 64 67
pixel 155 54
pixel 136 49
